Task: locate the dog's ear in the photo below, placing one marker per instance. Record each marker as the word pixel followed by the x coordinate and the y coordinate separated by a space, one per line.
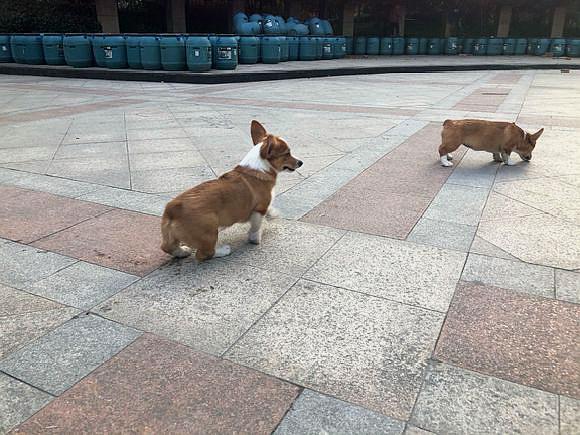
pixel 267 146
pixel 258 132
pixel 537 134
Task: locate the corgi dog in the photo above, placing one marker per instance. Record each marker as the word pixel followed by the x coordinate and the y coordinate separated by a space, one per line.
pixel 244 194
pixel 498 138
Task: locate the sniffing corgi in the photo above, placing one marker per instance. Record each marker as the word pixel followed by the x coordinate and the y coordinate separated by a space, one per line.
pixel 192 219
pixel 498 138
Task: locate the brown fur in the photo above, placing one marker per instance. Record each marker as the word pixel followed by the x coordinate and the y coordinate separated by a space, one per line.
pixel 499 138
pixel 194 217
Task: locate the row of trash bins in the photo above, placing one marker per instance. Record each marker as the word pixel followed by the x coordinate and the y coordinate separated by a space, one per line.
pixel 269 24
pixel 167 52
pixel 363 45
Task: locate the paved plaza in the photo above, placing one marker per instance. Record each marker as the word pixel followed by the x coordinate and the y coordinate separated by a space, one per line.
pixel 391 296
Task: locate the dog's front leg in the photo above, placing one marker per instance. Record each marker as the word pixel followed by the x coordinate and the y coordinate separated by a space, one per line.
pixel 497 157
pixel 505 157
pixel 255 233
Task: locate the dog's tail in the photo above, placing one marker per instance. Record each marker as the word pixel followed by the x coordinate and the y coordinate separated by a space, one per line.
pixel 172 210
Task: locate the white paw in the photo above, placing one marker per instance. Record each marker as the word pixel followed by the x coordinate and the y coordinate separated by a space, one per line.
pixel 182 252
pixel 445 162
pixel 449 156
pixel 510 162
pixel 255 238
pixel 272 213
pixel 222 251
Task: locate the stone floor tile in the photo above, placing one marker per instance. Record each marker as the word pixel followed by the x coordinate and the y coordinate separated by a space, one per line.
pixel 156 386
pixel 108 171
pixel 82 285
pixel 313 413
pixel 499 207
pixel 414 430
pixel 358 348
pixel 287 246
pixel 509 335
pixel 207 306
pixel 99 149
pixel 10 176
pixel 458 204
pixel 86 137
pixel 28 215
pixel 569 416
pixel 170 180
pixel 159 133
pixel 397 270
pixel 476 169
pixel 160 145
pixel 18 401
pixel 21 265
pixel 166 160
pixel 443 234
pixel 483 247
pixel 568 286
pixel 111 240
pixel 24 317
pixel 127 199
pixel 54 185
pixel 455 401
pixel 59 359
pixel 510 274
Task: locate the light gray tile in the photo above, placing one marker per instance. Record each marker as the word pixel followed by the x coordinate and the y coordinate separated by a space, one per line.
pixel 207 306
pixel 128 200
pixel 358 348
pixel 18 402
pixel 160 145
pixel 483 247
pixel 55 185
pixel 159 133
pixel 569 416
pixel 398 270
pixel 455 401
pixel 108 171
pixel 458 204
pixel 443 234
pixel 165 160
pixel 476 169
pixel 58 360
pixel 313 413
pixel 509 274
pixel 101 149
pixel 568 286
pixel 414 430
pixel 82 285
pixel 170 180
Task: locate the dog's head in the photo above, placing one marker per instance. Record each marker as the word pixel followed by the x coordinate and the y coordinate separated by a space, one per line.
pixel 527 145
pixel 274 149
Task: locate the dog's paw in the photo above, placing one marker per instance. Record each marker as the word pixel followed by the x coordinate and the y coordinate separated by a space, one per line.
pixel 449 156
pixel 255 238
pixel 181 252
pixel 272 213
pixel 445 162
pixel 510 162
pixel 222 251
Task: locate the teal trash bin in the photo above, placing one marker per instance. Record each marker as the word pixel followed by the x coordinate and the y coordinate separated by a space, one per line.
pixel 249 50
pixel 198 53
pixel 172 49
pixel 509 47
pixel 284 49
pixel 521 45
pixel 307 48
pixel 373 46
pixel 226 50
pixel 349 40
pixel 480 47
pixel 327 48
pixel 573 48
pixel 78 51
pixel 494 46
pixel 271 49
pixel 115 52
pixel 434 46
pixel 398 46
pixel 27 49
pixel 467 46
pixel 14 51
pixel 150 52
pixel 53 49
pixel 558 47
pixel 336 47
pixel 134 51
pixel 452 45
pixel 423 44
pixel 360 45
pixel 542 46
pixel 386 46
pixel 412 46
pixel 293 47
pixel 5 51
pixel 98 45
pixel 319 46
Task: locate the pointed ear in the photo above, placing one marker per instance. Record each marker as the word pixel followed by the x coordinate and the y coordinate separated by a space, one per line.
pixel 258 132
pixel 266 149
pixel 537 134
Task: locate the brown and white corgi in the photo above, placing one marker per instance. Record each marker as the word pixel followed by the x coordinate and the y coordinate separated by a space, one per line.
pixel 498 138
pixel 192 219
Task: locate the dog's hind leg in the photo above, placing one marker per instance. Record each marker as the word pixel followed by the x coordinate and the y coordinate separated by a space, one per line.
pixel 445 151
pixel 497 157
pixel 171 243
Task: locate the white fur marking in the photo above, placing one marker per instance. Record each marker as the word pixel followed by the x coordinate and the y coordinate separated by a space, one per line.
pixel 449 156
pixel 222 251
pixel 255 233
pixel 445 162
pixel 254 161
pixel 181 252
pixel 510 162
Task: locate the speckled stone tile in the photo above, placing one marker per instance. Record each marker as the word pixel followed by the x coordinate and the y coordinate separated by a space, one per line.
pixel 18 401
pixel 26 215
pixel 510 274
pixel 313 413
pixel 207 306
pixel 120 239
pixel 458 204
pixel 457 402
pixel 483 247
pixel 358 348
pixel 157 386
pixel 24 317
pixel 443 234
pixel 397 270
pixel 524 339
pixel 59 359
pixel 569 416
pixel 568 286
